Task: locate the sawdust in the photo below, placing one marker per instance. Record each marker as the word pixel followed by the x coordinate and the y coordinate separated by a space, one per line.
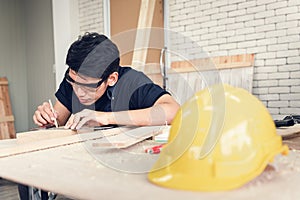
pixel 283 166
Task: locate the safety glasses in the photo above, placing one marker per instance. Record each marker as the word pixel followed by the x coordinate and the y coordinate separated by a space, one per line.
pixel 90 87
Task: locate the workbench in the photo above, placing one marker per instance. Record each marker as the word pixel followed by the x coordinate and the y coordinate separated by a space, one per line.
pixel 81 170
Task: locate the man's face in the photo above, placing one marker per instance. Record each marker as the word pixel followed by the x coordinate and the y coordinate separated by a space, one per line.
pixel 87 95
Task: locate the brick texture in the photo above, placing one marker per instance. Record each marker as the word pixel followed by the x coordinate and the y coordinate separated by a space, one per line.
pixel 90 16
pixel 268 28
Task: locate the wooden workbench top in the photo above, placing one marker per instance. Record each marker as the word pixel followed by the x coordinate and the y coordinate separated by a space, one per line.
pixel 83 171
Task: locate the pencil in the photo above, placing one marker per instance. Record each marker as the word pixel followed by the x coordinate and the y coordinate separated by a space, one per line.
pixel 52 109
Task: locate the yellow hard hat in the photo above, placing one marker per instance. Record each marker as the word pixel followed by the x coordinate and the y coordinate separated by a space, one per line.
pixel 220 139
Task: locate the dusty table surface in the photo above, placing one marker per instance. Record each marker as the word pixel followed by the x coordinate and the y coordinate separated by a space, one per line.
pixel 82 171
pixel 291 136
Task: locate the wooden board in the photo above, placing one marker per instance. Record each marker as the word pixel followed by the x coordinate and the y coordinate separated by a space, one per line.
pixel 143 34
pixel 120 137
pixel 7 128
pixel 45 139
pixel 72 171
pixel 205 64
pixel 182 86
pixel 289 131
pixel 187 77
pixel 8 143
pixel 219 62
pixel 75 171
pixel 43 134
pixel 123 28
pixel 292 142
pixel 128 138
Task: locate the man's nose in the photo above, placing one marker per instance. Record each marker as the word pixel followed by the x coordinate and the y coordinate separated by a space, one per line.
pixel 81 92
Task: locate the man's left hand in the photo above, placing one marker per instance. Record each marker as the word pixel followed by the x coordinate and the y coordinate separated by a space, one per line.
pixel 88 118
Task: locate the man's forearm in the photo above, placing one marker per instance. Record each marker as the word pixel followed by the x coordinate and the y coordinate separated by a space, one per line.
pixel 156 115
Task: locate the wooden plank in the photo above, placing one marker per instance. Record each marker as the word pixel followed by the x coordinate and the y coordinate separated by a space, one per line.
pixel 118 139
pixel 7 118
pixel 44 139
pixel 205 64
pixel 289 132
pixel 4 132
pixel 128 138
pixel 73 171
pixel 216 63
pixel 54 138
pixel 8 143
pixel 183 85
pixel 233 70
pixel 43 134
pixel 7 129
pixel 290 136
pixel 143 34
pixel 293 142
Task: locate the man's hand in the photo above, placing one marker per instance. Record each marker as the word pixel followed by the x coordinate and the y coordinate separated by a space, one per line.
pixel 87 117
pixel 44 115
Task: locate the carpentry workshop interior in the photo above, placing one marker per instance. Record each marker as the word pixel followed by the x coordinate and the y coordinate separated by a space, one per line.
pixel 149 99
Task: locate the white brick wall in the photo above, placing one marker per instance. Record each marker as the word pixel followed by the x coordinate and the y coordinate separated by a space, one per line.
pixel 268 28
pixel 90 16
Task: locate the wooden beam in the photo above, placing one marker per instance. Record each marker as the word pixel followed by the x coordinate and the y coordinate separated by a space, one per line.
pixel 7 119
pixel 74 172
pixel 204 64
pixel 143 34
pixel 35 141
pixel 7 128
pixel 289 132
pixel 120 137
pixel 43 134
pixel 128 138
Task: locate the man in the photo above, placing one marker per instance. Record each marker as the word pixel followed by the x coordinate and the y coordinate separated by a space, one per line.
pixel 97 91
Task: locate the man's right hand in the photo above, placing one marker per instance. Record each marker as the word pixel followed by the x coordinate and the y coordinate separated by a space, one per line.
pixel 44 115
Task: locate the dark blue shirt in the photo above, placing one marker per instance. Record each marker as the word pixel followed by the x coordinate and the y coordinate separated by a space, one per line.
pixel 134 90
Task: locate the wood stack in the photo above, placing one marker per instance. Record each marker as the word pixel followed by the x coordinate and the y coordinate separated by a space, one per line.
pixel 189 76
pixel 7 128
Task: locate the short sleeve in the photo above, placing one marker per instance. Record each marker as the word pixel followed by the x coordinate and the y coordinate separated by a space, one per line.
pixel 134 90
pixel 145 96
pixel 64 94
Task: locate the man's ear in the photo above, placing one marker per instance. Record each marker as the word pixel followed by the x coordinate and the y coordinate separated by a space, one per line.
pixel 113 78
